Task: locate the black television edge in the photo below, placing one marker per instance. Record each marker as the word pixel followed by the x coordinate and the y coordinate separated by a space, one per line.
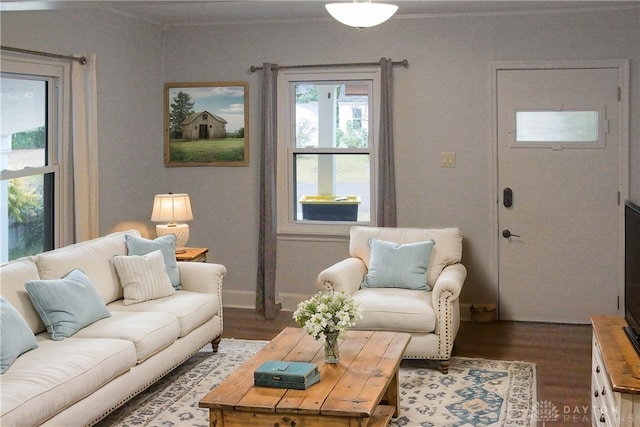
pixel 632 272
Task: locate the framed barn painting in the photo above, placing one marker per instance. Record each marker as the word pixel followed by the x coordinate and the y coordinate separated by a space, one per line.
pixel 206 124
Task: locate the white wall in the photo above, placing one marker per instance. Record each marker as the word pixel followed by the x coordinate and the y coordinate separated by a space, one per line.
pixel 129 82
pixel 442 103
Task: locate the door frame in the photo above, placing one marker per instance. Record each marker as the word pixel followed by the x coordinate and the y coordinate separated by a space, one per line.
pixel 623 152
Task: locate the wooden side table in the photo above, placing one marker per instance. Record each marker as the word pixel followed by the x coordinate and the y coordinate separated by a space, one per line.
pixel 193 255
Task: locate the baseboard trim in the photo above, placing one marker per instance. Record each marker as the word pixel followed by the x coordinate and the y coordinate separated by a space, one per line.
pixel 465 311
pixel 247 299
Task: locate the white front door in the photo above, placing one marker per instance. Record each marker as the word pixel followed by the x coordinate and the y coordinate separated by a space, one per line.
pixel 558 159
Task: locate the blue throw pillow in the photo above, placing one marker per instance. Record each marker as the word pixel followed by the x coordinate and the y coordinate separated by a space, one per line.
pixel 15 335
pixel 66 305
pixel 166 244
pixel 392 265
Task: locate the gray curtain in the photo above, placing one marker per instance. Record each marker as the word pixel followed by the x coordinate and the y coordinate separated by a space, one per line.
pixel 386 213
pixel 266 303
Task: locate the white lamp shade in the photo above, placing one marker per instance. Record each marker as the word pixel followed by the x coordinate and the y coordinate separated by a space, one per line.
pixel 171 208
pixel 361 15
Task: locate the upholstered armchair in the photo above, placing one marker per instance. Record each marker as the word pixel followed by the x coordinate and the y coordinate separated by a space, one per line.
pixel 399 290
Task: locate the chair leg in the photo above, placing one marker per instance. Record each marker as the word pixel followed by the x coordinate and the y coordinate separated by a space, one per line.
pixel 444 366
pixel 215 343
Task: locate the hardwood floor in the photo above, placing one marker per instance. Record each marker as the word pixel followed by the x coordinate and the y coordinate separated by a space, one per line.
pixel 562 354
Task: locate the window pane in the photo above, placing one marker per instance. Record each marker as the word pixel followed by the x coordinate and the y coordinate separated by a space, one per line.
pixel 557 126
pixel 23 104
pixel 332 187
pixel 332 114
pixel 28 232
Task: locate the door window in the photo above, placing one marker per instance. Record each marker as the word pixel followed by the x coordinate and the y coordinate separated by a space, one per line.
pixel 566 129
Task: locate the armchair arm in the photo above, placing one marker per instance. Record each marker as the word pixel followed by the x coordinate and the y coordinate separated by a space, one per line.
pixel 345 276
pixel 450 282
pixel 446 293
pixel 202 277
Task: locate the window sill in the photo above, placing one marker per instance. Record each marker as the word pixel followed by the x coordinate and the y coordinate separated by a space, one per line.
pixel 316 232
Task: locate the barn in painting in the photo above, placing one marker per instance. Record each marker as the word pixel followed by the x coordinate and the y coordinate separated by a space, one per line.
pixel 204 125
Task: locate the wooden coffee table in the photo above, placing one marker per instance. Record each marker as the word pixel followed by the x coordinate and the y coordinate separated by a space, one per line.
pixel 360 390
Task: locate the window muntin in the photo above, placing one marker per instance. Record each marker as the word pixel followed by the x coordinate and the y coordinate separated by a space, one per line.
pixel 28 159
pixel 559 128
pixel 326 147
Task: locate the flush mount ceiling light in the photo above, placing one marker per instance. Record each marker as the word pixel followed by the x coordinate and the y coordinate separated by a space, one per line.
pixel 361 14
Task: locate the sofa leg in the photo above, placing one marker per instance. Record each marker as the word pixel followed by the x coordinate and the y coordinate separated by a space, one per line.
pixel 444 366
pixel 215 343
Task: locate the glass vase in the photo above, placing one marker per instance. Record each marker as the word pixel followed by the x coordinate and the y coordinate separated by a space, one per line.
pixel 331 349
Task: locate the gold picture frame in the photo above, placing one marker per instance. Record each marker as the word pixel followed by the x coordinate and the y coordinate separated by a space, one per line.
pixel 206 124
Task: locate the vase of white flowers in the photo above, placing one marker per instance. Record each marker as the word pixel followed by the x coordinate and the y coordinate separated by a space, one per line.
pixel 331 347
pixel 326 315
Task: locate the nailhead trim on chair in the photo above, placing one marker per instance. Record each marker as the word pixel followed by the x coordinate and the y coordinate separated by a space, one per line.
pixel 444 344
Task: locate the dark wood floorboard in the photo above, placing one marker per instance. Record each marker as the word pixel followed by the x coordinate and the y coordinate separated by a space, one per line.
pixel 561 352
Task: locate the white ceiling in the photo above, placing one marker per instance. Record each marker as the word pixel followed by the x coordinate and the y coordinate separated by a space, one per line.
pixel 202 12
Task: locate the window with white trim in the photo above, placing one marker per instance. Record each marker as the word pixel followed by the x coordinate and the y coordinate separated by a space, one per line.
pixel 327 142
pixel 30 154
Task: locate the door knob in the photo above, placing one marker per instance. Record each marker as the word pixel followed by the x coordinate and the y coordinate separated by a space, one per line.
pixel 506 234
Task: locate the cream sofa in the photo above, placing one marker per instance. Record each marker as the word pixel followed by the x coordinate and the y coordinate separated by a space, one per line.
pixel 82 378
pixel 431 315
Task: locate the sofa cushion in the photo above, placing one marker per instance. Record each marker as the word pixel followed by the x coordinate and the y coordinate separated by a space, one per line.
pixel 15 336
pixel 93 257
pixel 149 332
pixel 13 275
pixel 66 305
pixel 143 277
pixel 191 308
pixel 166 244
pixel 44 381
pixel 446 251
pixel 394 265
pixel 395 309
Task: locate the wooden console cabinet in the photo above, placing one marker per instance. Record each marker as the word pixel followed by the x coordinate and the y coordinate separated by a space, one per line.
pixel 615 375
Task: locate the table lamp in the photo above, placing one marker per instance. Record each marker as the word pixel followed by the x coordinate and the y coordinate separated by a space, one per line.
pixel 171 208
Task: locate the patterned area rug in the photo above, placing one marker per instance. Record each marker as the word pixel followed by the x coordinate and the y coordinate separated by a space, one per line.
pixel 476 392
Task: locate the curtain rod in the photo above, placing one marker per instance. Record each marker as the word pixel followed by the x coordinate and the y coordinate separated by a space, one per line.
pixel 404 63
pixel 80 59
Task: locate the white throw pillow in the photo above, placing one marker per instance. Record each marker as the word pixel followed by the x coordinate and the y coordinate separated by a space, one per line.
pixel 143 277
pixel 167 244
